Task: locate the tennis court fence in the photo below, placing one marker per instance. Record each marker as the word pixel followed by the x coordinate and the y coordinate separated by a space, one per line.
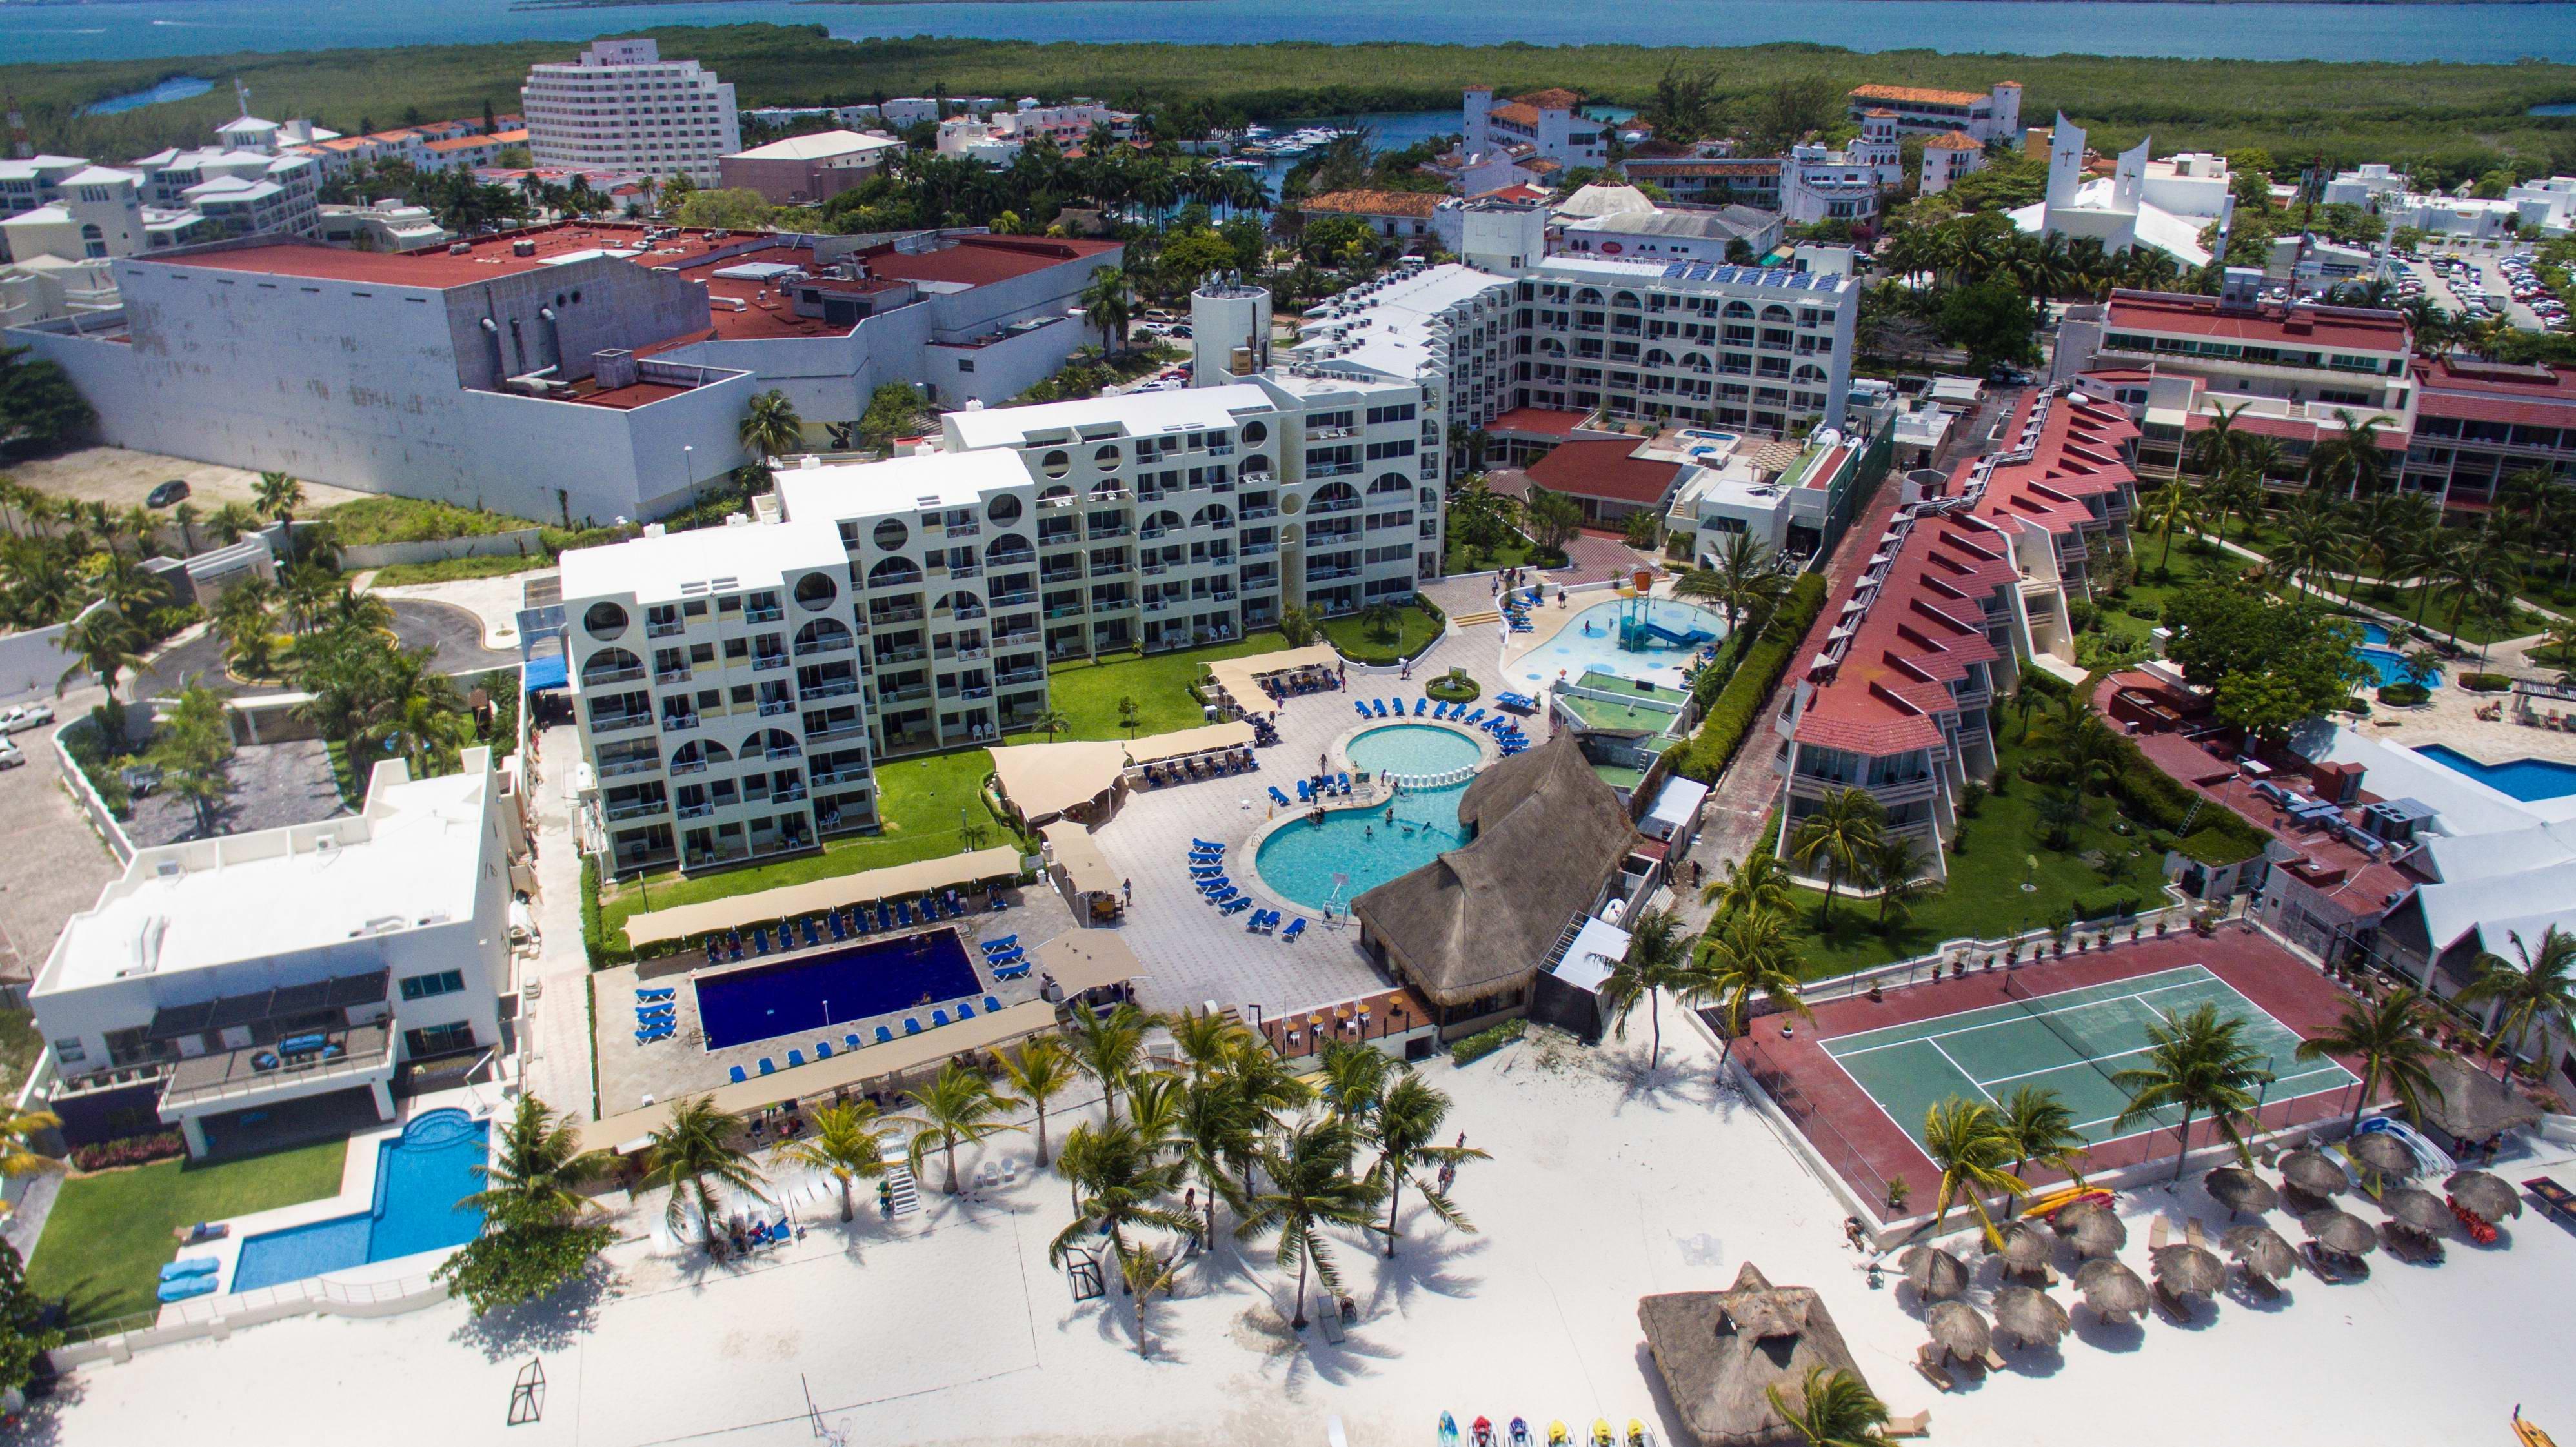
pixel 1963 955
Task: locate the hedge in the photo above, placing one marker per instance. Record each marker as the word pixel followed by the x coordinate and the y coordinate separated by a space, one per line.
pixel 594 938
pixel 2403 695
pixel 2106 904
pixel 2485 682
pixel 1738 706
pixel 137 1150
pixel 1485 1042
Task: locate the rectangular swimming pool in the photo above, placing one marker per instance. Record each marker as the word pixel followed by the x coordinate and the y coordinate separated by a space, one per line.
pixel 806 996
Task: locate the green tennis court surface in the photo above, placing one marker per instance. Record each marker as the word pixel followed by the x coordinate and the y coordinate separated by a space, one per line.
pixel 2070 1041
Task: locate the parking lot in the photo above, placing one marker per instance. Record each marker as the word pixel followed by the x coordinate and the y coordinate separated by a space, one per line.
pixel 2466 282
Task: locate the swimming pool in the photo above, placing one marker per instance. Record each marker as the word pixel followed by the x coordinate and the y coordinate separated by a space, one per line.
pixel 1414 750
pixel 1589 642
pixel 2387 662
pixel 421 1176
pixel 1300 858
pixel 802 997
pixel 2524 779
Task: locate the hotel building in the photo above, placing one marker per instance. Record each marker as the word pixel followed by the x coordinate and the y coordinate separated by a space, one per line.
pixel 622 107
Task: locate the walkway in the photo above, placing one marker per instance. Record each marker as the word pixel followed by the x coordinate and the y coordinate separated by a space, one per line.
pixel 554 1001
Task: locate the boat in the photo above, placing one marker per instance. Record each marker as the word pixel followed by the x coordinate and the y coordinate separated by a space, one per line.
pixel 1448 1430
pixel 1601 1435
pixel 1638 1436
pixel 1557 1436
pixel 1520 1432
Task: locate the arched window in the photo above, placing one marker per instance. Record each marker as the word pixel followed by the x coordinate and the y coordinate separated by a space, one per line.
pixel 894 573
pixel 1658 357
pixel 1390 482
pixel 1626 299
pixel 1214 515
pixel 1334 495
pixel 770 743
pixel 698 754
pixel 1738 309
pixel 1256 468
pixel 1009 548
pixel 890 535
pixel 610 665
pixel 1587 297
pixel 1776 313
pixel 1695 361
pixel 824 635
pixel 1159 524
pixel 1106 489
pixel 965 603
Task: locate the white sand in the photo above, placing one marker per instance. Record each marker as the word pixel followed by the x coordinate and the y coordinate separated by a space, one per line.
pixel 1606 1186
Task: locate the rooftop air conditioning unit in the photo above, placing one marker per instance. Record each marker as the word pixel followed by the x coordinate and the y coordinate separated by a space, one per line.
pixel 523 248
pixel 461 248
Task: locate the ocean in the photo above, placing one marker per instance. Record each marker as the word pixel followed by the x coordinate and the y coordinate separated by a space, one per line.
pixel 2488 33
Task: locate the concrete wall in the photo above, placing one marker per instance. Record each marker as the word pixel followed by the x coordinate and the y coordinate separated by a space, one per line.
pixel 486 545
pixel 30 662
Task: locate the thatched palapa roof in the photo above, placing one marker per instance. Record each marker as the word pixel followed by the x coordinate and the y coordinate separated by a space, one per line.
pixel 1719 1350
pixel 2471 1105
pixel 1481 918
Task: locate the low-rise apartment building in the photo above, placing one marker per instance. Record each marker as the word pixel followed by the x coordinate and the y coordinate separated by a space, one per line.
pixel 810 169
pixel 2478 423
pixel 1396 215
pixel 264 988
pixel 388 225
pixel 1550 123
pixel 1947 157
pixel 1991 117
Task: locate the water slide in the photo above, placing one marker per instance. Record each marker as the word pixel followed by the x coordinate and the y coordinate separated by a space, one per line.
pixel 1692 639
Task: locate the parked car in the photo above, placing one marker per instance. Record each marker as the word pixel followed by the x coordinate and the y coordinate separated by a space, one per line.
pixel 11 756
pixel 167 494
pixel 25 716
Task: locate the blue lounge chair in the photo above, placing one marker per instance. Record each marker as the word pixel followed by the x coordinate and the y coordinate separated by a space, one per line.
pixel 795 1058
pixel 911 1026
pixel 648 1037
pixel 884 1033
pixel 780 1233
pixel 1363 708
pixel 768 1066
pixel 1253 925
pixel 965 1009
pixel 992 1005
pixel 733 946
pixel 649 992
pixel 1206 871
pixel 1343 781
pixel 859 922
pixel 1208 844
pixel 994 947
pixel 1305 792
pixel 813 936
pixel 1419 705
pixel 903 912
pixel 1003 961
pixel 1019 971
pixel 185 1287
pixel 840 931
pixel 938 1018
pixel 1225 898
pixel 1378 705
pixel 850 1041
pixel 1240 901
pixel 822 1049
pixel 187 1266
pixel 739 1075
pixel 1295 928
pixel 885 918
pixel 760 939
pixel 1275 794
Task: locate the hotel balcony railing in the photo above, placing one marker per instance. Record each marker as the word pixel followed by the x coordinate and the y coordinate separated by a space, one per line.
pixel 834 644
pixel 763 615
pixel 963 530
pixel 1333 469
pixel 967 655
pixel 1010 676
pixel 967 612
pixel 1149 494
pixel 599 680
pixel 770 707
pixel 1021 556
pixel 842 730
pixel 1220 449
pixel 774 752
pixel 1114 530
pixel 967 570
pixel 1222 596
pixel 672 675
pixel 1109 570
pixel 1318 575
pixel 1159 605
pixel 1151 533
pixel 1322 509
pixel 1259 550
pixel 1155 569
pixel 697 811
pixel 1061 575
pixel 788 795
pixel 834 689
pixel 981 691
pixel 844 776
pixel 904 654
pixel 691 766
pixel 679 723
pixel 1022 635
pixel 1059 537
pixel 909 694
pixel 612 722
pixel 638 810
pixel 766 661
pixel 1065 610
pixel 620 768
pixel 1255 514
pixel 1022 595
pixel 882 617
pixel 665 630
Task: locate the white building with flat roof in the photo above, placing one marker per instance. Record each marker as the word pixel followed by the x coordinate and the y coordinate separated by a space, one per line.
pixel 255 989
pixel 622 107
pixel 2165 205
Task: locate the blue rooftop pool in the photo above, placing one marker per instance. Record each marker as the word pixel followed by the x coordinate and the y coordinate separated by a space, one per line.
pixel 2524 779
pixel 803 996
pixel 421 1176
pixel 1300 858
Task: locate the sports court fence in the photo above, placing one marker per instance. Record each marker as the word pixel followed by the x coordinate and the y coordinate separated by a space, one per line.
pixel 1963 955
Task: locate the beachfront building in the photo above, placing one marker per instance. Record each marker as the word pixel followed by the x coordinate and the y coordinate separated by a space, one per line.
pixel 2165 204
pixel 621 106
pixel 810 169
pixel 1447 330
pixel 262 989
pixel 1989 118
pixel 1811 184
pixel 1548 123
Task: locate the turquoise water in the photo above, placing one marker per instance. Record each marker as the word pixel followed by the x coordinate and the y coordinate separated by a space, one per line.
pixel 1413 750
pixel 2388 663
pixel 419 1180
pixel 1589 642
pixel 1299 859
pixel 2524 779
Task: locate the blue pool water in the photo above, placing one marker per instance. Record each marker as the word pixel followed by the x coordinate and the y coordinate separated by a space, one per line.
pixel 1413 749
pixel 1299 859
pixel 804 996
pixel 1589 642
pixel 2524 779
pixel 420 1178
pixel 2387 662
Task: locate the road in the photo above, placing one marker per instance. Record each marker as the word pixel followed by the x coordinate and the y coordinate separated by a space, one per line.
pixel 457 633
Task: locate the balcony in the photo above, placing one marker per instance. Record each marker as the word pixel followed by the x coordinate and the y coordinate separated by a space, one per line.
pixel 981 691
pixel 1022 595
pixel 886 617
pixel 253 1070
pixel 1159 605
pixel 637 809
pixel 857 774
pixel 1114 530
pixel 966 570
pixel 1259 550
pixel 763 615
pixel 672 675
pixel 767 661
pixel 1013 676
pixel 964 529
pixel 1320 575
pixel 611 723
pixel 1109 570
pixel 1155 569
pixel 622 675
pixel 690 766
pixel 967 613
pixel 1065 610
pixel 788 795
pixel 679 723
pixel 697 811
pixel 912 693
pixel 842 729
pixel 1322 509
pixel 908 653
pixel 672 629
pixel 1255 514
pixel 834 689
pixel 835 644
pixel 771 707
pixel 1023 635
pixel 620 768
pixel 1333 469
pixel 1061 575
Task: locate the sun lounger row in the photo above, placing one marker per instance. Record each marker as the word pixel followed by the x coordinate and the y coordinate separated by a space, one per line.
pixel 1297 685
pixel 842 925
pixel 823 1050
pixel 1262 919
pixel 1213 766
pixel 1518 701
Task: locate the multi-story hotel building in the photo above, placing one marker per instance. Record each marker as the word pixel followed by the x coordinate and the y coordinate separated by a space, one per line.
pixel 735 686
pixel 1988 118
pixel 622 107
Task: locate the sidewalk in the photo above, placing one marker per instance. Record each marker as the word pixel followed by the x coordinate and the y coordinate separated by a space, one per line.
pixel 554 998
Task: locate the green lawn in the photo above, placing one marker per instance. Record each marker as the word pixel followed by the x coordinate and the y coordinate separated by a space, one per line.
pixel 412 520
pixel 1086 691
pixel 449 570
pixel 2158 585
pixel 926 805
pixel 1514 551
pixel 1359 640
pixel 109 1234
pixel 2407 602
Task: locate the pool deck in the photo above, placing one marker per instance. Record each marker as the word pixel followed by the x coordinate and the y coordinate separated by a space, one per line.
pixel 2450 717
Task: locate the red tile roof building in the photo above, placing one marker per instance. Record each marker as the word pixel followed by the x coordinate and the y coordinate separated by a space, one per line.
pixel 1401 215
pixel 1610 477
pixel 1988 117
pixel 2478 422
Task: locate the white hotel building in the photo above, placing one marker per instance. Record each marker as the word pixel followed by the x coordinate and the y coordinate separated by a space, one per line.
pixel 734 686
pixel 622 107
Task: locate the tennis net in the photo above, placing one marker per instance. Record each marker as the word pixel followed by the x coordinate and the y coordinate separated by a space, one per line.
pixel 2030 1005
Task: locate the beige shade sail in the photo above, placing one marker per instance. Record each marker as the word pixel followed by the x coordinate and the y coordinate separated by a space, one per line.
pixel 1042 781
pixel 631 1132
pixel 1240 678
pixel 1087 959
pixel 1079 858
pixel 897 881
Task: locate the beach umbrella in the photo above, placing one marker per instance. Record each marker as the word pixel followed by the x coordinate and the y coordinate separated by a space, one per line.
pixel 2486 1195
pixel 2315 1172
pixel 2240 1191
pixel 2093 1228
pixel 2112 1289
pixel 2260 1250
pixel 2188 1270
pixel 1957 1329
pixel 2340 1231
pixel 2422 1210
pixel 2030 1315
pixel 2381 1152
pixel 1935 1272
pixel 2028 1248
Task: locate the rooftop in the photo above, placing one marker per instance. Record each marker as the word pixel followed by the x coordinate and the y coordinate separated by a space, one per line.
pixel 820 146
pixel 1374 203
pixel 1554 98
pixel 2272 324
pixel 1917 95
pixel 1915 632
pixel 1608 471
pixel 484 258
pixel 898 485
pixel 703 560
pixel 1133 414
pixel 1725 223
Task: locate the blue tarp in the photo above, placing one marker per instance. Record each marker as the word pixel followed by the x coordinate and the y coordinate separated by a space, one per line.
pixel 547 672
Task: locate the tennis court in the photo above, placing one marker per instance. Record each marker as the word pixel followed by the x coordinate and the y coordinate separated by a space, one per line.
pixel 2070 1041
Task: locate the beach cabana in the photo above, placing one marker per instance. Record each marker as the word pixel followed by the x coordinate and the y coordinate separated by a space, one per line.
pixel 2485 1196
pixel 1960 1330
pixel 2093 1229
pixel 2113 1291
pixel 1718 1352
pixel 2261 1251
pixel 1238 680
pixel 2469 1106
pixel 1079 868
pixel 2241 1191
pixel 1934 1272
pixel 2030 1316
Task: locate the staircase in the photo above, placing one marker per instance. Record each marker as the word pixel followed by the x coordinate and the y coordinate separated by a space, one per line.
pixel 903 1195
pixel 1476 620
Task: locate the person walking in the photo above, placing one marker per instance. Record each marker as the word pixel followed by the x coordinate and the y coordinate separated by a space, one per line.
pixel 1127 891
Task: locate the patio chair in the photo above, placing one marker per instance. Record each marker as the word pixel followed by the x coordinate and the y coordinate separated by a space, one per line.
pixel 1305 792
pixel 1363 708
pixel 885 917
pixel 768 1066
pixel 995 947
pixel 1379 706
pixel 840 931
pixel 850 1041
pixel 1212 846
pixel 739 1075
pixel 795 1058
pixel 884 1033
pixel 1279 798
pixel 965 1009
pixel 1295 928
pixel 1344 781
pixel 760 940
pixel 1240 901
pixel 992 1005
pixel 813 936
pixel 1419 705
pixel 822 1049
pixel 903 912
pixel 938 1018
pixel 859 923
pixel 715 954
pixel 911 1026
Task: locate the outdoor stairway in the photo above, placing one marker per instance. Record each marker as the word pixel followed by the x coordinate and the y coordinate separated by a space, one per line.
pixel 1471 620
pixel 903 1196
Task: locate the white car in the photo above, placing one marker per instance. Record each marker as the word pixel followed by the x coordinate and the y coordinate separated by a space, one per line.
pixel 25 716
pixel 11 756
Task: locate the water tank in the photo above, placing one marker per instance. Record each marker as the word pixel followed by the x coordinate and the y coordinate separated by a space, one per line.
pixel 1229 330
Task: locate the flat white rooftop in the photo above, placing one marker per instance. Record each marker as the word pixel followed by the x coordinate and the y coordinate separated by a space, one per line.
pixel 898 486
pixel 1136 414
pixel 702 561
pixel 1696 274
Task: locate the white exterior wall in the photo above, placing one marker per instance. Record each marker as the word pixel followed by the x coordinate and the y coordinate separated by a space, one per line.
pixel 622 107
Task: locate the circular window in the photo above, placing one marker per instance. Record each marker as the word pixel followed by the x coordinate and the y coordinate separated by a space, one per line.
pixel 1003 511
pixel 1292 504
pixel 816 591
pixel 604 621
pixel 1255 433
pixel 1055 464
pixel 891 535
pixel 1107 456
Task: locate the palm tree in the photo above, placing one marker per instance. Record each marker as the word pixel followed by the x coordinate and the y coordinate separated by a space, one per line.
pixel 2541 991
pixel 18 1154
pixel 1744 579
pixel 1111 1049
pixel 277 497
pixel 1966 1141
pixel 1110 303
pixel 692 1149
pixel 2352 458
pixel 229 522
pixel 1748 954
pixel 2390 1037
pixel 105 645
pixel 1119 1187
pixel 1040 1071
pixel 2170 507
pixel 2040 1127
pixel 2214 450
pixel 1834 1408
pixel 1310 1188
pixel 1901 873
pixel 1215 1128
pixel 844 1143
pixel 1407 1134
pixel 957 1106
pixel 1835 839
pixel 187 517
pixel 2315 542
pixel 2200 1061
pixel 1355 1078
pixel 1658 959
pixel 1053 722
pixel 538 1169
pixel 1758 881
pixel 770 427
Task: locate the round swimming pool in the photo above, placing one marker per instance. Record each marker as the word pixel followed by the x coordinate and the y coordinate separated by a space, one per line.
pixel 1366 846
pixel 1413 750
pixel 1649 640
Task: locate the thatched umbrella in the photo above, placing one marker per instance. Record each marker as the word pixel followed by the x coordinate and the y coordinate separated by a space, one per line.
pixel 2421 1210
pixel 2486 1195
pixel 1958 1329
pixel 2030 1315
pixel 2112 1289
pixel 2260 1250
pixel 2340 1231
pixel 2093 1228
pixel 2241 1191
pixel 1935 1272
pixel 2028 1248
pixel 2315 1172
pixel 1719 1353
pixel 2188 1270
pixel 2382 1152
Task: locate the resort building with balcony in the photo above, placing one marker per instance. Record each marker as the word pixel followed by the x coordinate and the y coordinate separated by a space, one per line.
pixel 620 106
pixel 1988 118
pixel 261 989
pixel 1550 123
pixel 2479 422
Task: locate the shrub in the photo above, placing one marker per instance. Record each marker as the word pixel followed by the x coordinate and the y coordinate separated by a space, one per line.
pixel 1738 705
pixel 2160 840
pixel 133 1150
pixel 2084 615
pixel 2215 845
pixel 2404 695
pixel 2106 903
pixel 1429 609
pixel 1971 799
pixel 2485 682
pixel 1485 1042
pixel 594 938
pixel 2146 608
pixel 1453 687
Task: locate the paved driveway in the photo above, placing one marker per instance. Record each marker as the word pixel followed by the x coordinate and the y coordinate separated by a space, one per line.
pixel 457 633
pixel 56 864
